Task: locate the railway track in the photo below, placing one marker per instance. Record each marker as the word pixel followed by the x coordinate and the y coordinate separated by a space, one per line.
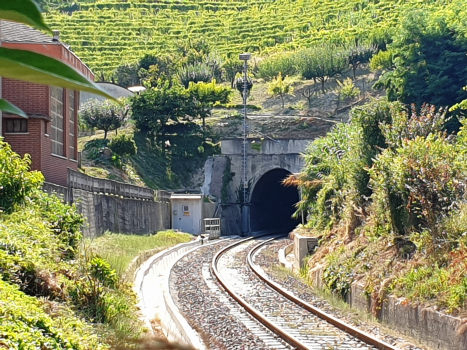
pixel 296 322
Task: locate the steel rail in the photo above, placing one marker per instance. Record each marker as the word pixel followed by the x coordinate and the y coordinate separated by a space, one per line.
pixel 363 336
pixel 255 313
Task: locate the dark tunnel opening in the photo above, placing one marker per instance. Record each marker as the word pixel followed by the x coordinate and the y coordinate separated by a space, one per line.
pixel 272 204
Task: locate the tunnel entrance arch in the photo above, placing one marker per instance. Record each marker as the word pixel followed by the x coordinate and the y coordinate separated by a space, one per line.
pixel 272 204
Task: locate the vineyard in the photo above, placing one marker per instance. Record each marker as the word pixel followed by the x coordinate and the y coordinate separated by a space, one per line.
pixel 108 33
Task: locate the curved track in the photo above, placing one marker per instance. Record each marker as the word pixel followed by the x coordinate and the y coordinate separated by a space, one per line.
pixel 295 321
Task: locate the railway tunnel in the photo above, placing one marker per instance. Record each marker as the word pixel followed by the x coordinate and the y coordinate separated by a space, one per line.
pixel 272 203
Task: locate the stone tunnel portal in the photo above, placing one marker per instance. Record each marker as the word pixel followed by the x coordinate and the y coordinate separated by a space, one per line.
pixel 272 204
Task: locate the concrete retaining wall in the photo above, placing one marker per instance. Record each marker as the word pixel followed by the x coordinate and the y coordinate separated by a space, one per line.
pixel 428 326
pixel 123 215
pixel 153 289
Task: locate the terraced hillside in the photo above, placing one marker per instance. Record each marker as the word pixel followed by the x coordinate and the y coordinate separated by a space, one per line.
pixel 108 33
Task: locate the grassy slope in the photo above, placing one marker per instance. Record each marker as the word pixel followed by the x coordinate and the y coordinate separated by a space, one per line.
pixel 107 33
pixel 48 301
pixel 119 249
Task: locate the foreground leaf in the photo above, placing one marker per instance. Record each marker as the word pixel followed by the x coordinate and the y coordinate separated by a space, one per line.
pixel 23 11
pixel 11 108
pixel 37 68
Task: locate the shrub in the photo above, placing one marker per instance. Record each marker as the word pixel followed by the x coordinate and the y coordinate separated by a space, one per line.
pixel 28 245
pixel 382 60
pixel 28 323
pixel 101 270
pixel 123 145
pixel 94 148
pixel 334 174
pixel 348 90
pixel 196 72
pixel 16 181
pixel 65 220
pixel 37 242
pixel 97 293
pixel 339 273
pixel 418 184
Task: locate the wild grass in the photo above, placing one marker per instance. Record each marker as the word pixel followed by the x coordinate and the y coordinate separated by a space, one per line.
pixel 120 249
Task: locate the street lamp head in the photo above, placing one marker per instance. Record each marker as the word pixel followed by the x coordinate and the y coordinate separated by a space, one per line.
pixel 244 56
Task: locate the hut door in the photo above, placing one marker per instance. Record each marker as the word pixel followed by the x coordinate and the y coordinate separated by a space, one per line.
pixel 186 218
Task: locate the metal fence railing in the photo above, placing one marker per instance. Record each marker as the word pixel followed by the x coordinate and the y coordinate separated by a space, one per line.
pixel 77 180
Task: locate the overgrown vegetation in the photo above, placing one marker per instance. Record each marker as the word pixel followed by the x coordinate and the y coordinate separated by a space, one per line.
pixel 55 292
pixel 39 257
pixel 387 192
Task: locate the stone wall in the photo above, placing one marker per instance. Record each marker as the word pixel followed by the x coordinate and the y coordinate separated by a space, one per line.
pixel 269 155
pixel 122 215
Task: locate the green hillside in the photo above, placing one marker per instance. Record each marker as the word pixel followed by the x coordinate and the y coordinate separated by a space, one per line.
pixel 108 33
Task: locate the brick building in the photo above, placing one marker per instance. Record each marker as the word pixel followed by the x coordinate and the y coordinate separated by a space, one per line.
pixel 50 134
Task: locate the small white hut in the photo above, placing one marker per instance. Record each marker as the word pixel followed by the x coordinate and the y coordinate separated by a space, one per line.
pixel 187 211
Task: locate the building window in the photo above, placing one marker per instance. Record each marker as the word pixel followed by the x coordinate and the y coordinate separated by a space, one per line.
pixel 16 125
pixel 56 112
pixel 71 114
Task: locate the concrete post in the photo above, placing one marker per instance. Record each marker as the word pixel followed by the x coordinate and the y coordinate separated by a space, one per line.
pixel 303 246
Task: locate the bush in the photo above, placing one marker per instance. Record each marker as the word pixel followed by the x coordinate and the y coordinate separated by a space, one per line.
pixel 38 241
pixel 419 183
pixel 334 175
pixel 96 291
pixel 28 323
pixel 419 179
pixel 123 145
pixel 16 181
pixel 94 148
pixel 348 90
pixel 28 246
pixel 196 72
pixel 101 270
pixel 65 220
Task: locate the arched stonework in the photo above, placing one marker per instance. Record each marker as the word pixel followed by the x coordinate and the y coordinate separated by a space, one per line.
pixel 263 157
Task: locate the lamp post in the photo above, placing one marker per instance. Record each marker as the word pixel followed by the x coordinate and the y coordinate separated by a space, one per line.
pixel 245 208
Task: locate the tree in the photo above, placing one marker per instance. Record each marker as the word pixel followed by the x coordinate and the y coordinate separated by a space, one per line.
pixel 127 74
pixel 155 108
pixel 231 67
pixel 196 72
pixel 358 54
pixel 280 87
pixel 321 62
pixel 197 63
pixel 192 51
pixel 281 62
pixel 430 63
pixel 33 67
pixel 310 93
pixel 104 115
pixel 156 69
pixel 205 95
